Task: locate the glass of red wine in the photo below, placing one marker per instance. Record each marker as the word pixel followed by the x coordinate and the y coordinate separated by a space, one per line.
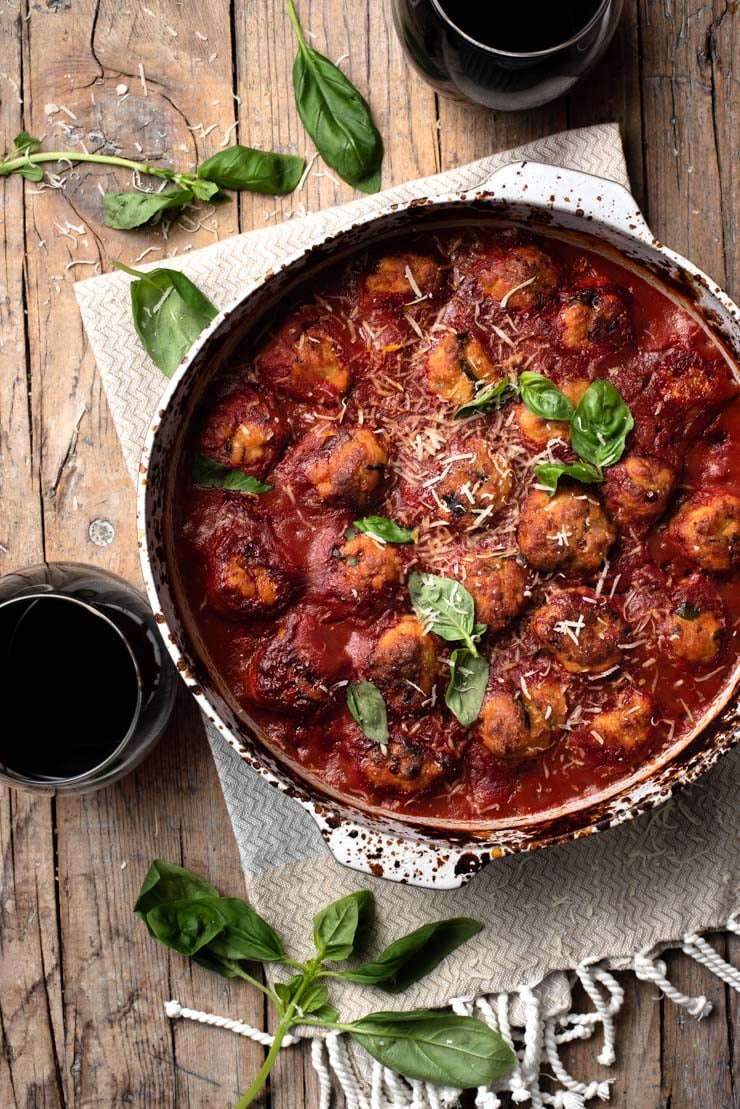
pixel 84 666
pixel 508 56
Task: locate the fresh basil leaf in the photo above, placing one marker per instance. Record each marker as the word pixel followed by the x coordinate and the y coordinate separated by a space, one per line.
pixel 549 473
pixel 380 527
pixel 212 474
pixel 444 606
pixel 186 925
pixel 342 926
pixel 227 968
pixel 335 115
pixel 435 1046
pixel 467 687
pixel 478 631
pixel 246 935
pixel 542 397
pixel 601 424
pixel 687 611
pixel 25 143
pixel 31 172
pixel 126 210
pixel 313 999
pixel 412 957
pixel 284 992
pixel 486 399
pixel 166 882
pixel 258 171
pixel 327 1014
pixel 169 314
pixel 205 190
pixel 365 702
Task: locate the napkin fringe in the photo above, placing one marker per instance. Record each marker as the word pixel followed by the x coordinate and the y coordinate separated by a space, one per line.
pixel 536 1043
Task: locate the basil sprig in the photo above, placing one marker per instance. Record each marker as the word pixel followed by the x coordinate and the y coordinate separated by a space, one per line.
pixel 365 702
pixel 243 168
pixel 486 399
pixel 549 474
pixel 169 314
pixel 335 115
pixel 380 527
pixel 601 424
pixel 210 474
pixel 444 606
pixel 543 398
pixel 224 934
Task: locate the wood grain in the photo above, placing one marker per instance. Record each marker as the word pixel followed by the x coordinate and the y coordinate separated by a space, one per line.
pixel 81 984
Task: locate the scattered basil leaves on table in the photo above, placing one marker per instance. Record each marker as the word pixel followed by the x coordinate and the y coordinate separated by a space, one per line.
pixel 467 685
pixel 213 475
pixel 124 211
pixel 549 473
pixel 365 702
pixel 601 424
pixel 380 527
pixel 543 398
pixel 186 914
pixel 258 171
pixel 169 314
pixel 336 116
pixel 486 399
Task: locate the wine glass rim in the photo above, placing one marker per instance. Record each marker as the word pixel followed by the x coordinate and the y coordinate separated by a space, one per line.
pixel 86 775
pixel 520 53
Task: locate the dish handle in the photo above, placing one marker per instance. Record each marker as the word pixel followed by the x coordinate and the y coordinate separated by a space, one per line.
pixel 578 194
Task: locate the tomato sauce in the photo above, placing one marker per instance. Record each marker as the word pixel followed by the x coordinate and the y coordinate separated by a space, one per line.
pixel 357 357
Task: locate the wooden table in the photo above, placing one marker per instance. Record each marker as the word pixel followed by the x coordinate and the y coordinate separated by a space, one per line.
pixel 81 985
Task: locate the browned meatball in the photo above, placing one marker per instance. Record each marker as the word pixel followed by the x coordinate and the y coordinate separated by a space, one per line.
pixel 295 671
pixel 692 634
pixel 567 531
pixel 245 431
pixel 345 466
pixel 519 726
pixel 365 573
pixel 456 363
pixel 305 361
pixel 523 278
pixel 581 630
pixel 396 275
pixel 498 587
pixel 624 726
pixel 404 667
pixel 245 573
pixel 475 487
pixel 539 431
pixel 411 763
pixel 596 318
pixel 637 489
pixel 708 528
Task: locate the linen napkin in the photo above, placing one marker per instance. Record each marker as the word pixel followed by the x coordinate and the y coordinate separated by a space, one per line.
pixel 630 890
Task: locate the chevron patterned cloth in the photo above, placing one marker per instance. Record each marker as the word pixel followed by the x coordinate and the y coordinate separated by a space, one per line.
pixel 640 886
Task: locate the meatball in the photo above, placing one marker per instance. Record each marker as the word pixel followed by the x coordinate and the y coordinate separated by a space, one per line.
pixel 412 763
pixel 517 727
pixel 404 667
pixel 693 635
pixel 708 528
pixel 346 465
pixel 626 725
pixel 522 278
pixel 305 361
pixel 540 431
pixel 596 318
pixel 581 630
pixel 498 587
pixel 245 573
pixel 475 487
pixel 569 530
pixel 294 671
pixel 365 574
pixel 637 489
pixel 245 431
pixel 456 363
pixel 401 275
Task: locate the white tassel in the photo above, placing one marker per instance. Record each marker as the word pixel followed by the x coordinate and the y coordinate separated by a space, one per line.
pixel 519 1092
pixel 532 1058
pixel 571 1084
pixel 318 1061
pixel 175 1010
pixel 654 970
pixel 700 950
pixel 605 1010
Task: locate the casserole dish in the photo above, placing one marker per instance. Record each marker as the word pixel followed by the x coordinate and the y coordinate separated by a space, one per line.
pixel 580 209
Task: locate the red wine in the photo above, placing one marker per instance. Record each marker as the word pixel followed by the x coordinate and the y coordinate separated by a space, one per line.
pixel 74 686
pixel 519 27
